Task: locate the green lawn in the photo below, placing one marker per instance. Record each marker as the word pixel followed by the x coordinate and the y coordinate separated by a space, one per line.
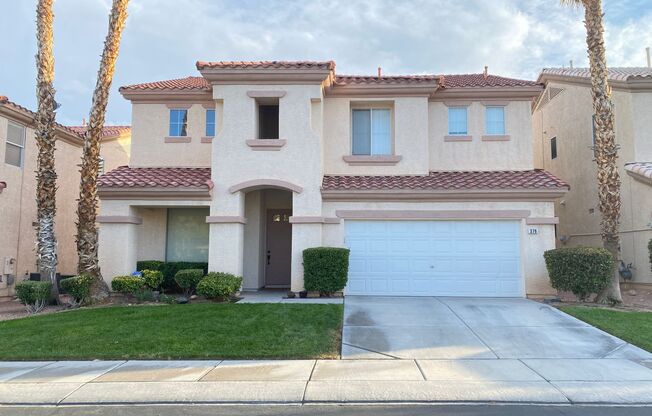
pixel 633 327
pixel 215 331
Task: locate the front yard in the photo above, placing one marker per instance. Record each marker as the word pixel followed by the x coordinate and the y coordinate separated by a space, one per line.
pixel 216 331
pixel 633 327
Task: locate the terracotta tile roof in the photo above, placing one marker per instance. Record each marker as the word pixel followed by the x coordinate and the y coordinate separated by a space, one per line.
pixel 126 177
pixel 384 80
pixel 479 80
pixel 325 65
pixel 615 73
pixel 4 100
pixel 107 131
pixel 179 84
pixel 448 180
pixel 643 169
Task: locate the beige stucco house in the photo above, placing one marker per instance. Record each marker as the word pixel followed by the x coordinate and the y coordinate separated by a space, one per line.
pixel 18 154
pixel 563 133
pixel 430 180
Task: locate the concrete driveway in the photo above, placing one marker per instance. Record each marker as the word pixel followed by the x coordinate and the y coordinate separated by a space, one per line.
pixel 471 328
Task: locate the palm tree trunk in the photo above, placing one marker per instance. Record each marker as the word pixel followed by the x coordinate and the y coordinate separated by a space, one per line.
pixel 46 176
pixel 606 149
pixel 88 203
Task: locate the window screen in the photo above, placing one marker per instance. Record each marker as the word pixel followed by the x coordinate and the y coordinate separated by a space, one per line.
pixel 457 121
pixel 371 132
pixel 495 120
pixel 187 234
pixel 15 144
pixel 178 122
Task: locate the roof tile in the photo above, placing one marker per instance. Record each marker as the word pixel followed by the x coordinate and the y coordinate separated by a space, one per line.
pixel 325 65
pixel 107 131
pixel 615 73
pixel 126 177
pixel 448 180
pixel 187 83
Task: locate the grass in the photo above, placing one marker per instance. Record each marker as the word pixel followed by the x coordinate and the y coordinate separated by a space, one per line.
pixel 633 327
pixel 207 331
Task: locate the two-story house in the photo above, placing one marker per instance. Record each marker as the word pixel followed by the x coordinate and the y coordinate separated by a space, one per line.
pixel 564 140
pixel 18 164
pixel 428 179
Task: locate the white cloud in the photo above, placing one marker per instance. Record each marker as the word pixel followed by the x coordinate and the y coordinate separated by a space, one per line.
pixel 164 38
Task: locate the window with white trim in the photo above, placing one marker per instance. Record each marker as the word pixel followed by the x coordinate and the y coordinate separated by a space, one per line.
pixel 457 121
pixel 371 132
pixel 178 122
pixel 100 165
pixel 15 147
pixel 210 123
pixel 495 120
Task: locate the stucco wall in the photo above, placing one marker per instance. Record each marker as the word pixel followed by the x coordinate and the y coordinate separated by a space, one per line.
pixel 568 117
pixel 115 152
pixel 513 154
pixel 150 127
pixel 18 205
pixel 409 118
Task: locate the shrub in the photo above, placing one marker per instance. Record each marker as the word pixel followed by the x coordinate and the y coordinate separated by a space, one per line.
pixel 153 278
pixel 649 248
pixel 33 294
pixel 580 270
pixel 169 270
pixel 187 279
pixel 218 285
pixel 325 269
pixel 79 287
pixel 130 285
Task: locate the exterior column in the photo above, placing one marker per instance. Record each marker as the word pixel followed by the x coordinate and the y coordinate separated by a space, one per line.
pixel 306 233
pixel 118 244
pixel 226 235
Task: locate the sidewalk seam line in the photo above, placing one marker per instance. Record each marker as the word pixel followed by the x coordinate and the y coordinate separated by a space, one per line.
pixel 547 381
pixel 305 388
pixel 375 352
pixel 468 327
pixel 70 394
pixel 420 370
pixel 621 346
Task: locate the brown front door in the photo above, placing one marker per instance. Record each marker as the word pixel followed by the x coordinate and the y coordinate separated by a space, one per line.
pixel 278 250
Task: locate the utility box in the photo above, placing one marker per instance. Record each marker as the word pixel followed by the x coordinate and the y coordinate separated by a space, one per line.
pixel 9 266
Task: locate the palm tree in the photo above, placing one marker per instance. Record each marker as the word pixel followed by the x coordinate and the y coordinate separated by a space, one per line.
pixel 606 149
pixel 46 176
pixel 88 202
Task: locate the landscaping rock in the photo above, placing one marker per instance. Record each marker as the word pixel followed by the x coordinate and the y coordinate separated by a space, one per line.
pixel 313 294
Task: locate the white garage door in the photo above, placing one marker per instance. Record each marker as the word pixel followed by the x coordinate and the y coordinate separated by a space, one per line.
pixel 434 258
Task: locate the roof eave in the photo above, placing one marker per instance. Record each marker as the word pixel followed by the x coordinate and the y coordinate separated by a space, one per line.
pixel 526 194
pixel 166 95
pixel 155 193
pixel 28 118
pixel 376 90
pixel 524 93
pixel 226 76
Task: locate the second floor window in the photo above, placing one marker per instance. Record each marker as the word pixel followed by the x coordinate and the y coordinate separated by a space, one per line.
pixel 15 144
pixel 372 132
pixel 457 125
pixel 210 123
pixel 495 120
pixel 553 148
pixel 178 122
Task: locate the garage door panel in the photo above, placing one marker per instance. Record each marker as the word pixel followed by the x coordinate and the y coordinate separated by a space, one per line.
pixel 434 258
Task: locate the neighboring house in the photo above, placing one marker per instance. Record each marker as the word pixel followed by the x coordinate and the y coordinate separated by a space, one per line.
pixel 563 132
pixel 428 179
pixel 18 156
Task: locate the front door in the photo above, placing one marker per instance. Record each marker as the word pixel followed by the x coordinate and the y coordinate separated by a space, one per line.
pixel 278 250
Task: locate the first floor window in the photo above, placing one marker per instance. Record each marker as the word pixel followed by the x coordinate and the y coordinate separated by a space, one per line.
pixel 210 123
pixel 457 121
pixel 15 144
pixel 553 148
pixel 187 235
pixel 372 132
pixel 101 166
pixel 178 122
pixel 495 120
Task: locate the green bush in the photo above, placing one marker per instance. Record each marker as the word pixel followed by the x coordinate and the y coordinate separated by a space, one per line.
pixel 169 270
pixel 218 285
pixel 153 278
pixel 30 292
pixel 325 269
pixel 580 270
pixel 649 248
pixel 79 287
pixel 130 285
pixel 188 279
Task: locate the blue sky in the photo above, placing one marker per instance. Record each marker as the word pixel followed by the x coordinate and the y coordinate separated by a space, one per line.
pixel 164 38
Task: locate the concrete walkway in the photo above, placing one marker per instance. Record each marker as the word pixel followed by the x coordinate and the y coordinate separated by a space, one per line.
pixel 554 381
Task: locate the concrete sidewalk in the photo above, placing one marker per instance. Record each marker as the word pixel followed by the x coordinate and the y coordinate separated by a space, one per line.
pixel 551 381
